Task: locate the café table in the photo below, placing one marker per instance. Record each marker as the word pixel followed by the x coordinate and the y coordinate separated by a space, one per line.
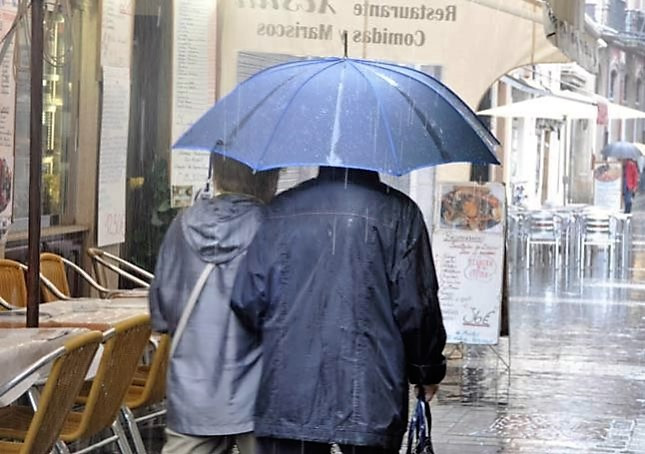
pixel 22 347
pixel 90 313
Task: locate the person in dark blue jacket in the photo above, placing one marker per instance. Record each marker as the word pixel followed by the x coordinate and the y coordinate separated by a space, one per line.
pixel 339 284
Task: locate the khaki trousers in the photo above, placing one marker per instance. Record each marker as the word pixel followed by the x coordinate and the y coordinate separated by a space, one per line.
pixel 177 443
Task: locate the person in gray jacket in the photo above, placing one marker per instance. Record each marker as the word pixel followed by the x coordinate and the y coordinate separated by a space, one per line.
pixel 213 374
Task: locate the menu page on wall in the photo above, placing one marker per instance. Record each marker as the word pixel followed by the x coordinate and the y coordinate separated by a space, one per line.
pixel 468 249
pixel 193 91
pixel 115 117
pixel 7 118
pixel 117 27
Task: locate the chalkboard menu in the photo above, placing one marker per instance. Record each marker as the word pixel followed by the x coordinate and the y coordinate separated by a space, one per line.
pixel 468 248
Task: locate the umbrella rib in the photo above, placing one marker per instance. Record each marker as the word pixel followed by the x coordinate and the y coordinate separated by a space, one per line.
pixel 437 86
pixel 246 118
pixel 383 116
pixel 286 108
pixel 424 120
pixel 240 124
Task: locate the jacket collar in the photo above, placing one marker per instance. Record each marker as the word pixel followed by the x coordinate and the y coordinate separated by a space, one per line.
pixel 353 175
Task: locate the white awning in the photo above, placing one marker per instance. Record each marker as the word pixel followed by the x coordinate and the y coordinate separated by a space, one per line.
pixel 560 106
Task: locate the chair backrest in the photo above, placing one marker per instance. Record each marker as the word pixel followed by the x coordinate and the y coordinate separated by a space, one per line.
pixel 53 268
pixel 103 261
pixel 63 385
pixel 121 354
pixel 597 224
pixel 543 224
pixel 154 389
pixel 100 272
pixel 13 288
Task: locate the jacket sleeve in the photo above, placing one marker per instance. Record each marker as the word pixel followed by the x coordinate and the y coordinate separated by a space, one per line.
pixel 416 305
pixel 158 319
pixel 249 298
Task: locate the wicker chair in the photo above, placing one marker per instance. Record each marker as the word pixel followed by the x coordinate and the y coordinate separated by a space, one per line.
pixel 104 261
pixel 13 288
pixel 36 432
pixel 53 268
pixel 104 395
pixel 148 388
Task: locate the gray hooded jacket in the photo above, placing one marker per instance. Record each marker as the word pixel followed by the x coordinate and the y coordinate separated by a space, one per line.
pixel 213 375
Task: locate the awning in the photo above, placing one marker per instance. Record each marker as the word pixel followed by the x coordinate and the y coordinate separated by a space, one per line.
pixel 562 105
pixel 567 27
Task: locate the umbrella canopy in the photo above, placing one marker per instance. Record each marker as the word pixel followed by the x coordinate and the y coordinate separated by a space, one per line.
pixel 345 113
pixel 621 150
pixel 566 104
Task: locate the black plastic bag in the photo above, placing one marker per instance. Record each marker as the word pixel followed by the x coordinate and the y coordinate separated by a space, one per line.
pixel 419 432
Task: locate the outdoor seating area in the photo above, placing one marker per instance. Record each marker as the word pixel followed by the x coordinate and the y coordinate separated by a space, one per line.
pixel 91 372
pixel 575 238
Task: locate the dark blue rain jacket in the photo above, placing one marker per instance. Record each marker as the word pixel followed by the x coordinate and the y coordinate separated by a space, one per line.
pixel 340 285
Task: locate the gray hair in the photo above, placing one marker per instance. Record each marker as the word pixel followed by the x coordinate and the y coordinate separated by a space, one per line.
pixel 230 175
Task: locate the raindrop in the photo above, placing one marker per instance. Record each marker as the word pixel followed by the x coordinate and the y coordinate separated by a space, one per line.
pixel 367 217
pixel 333 238
pixel 346 176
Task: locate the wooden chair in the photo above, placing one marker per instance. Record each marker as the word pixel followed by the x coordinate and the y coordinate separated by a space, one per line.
pixel 103 261
pixel 103 396
pixel 148 388
pixel 36 432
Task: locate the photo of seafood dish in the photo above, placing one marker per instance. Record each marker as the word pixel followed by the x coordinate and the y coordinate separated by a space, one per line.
pixel 471 208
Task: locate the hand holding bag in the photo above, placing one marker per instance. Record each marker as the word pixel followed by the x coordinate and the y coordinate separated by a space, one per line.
pixel 419 432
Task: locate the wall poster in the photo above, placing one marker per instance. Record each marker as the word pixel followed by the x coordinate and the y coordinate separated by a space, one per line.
pixel 7 118
pixel 115 119
pixel 117 28
pixel 468 248
pixel 193 91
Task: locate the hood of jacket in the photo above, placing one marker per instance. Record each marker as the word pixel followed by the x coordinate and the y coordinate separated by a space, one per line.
pixel 220 228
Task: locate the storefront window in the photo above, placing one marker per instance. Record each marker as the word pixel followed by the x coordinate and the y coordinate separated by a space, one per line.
pixel 59 114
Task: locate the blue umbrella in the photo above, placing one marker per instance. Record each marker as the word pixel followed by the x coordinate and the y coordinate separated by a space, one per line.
pixel 345 113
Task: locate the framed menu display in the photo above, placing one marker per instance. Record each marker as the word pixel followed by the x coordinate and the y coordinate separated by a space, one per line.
pixel 468 248
pixel 608 185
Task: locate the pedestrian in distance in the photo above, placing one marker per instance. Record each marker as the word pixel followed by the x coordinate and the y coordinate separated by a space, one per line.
pixel 339 285
pixel 215 366
pixel 630 183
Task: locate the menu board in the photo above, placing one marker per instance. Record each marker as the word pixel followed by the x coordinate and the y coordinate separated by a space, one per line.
pixel 115 118
pixel 193 91
pixel 7 117
pixel 468 249
pixel 608 185
pixel 117 27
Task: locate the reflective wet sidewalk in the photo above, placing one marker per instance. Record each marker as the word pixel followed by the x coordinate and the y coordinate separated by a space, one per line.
pixel 577 377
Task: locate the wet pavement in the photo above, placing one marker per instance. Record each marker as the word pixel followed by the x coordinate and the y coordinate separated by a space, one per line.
pixel 576 382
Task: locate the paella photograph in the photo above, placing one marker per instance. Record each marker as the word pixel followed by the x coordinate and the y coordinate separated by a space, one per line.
pixel 472 207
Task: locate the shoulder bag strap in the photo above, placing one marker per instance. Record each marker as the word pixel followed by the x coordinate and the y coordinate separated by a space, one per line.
pixel 190 305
